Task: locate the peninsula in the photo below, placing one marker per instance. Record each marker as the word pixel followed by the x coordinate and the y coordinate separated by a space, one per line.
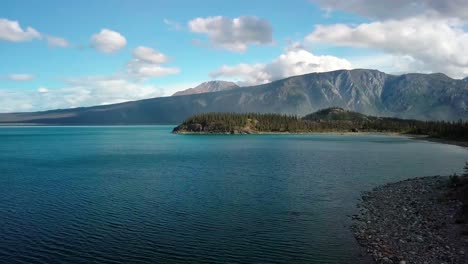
pixel 330 120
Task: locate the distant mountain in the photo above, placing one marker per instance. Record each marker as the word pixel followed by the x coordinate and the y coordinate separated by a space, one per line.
pixel 371 92
pixel 466 79
pixel 208 87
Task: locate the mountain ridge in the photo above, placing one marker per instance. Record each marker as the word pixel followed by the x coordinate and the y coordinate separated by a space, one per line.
pixel 208 87
pixel 411 96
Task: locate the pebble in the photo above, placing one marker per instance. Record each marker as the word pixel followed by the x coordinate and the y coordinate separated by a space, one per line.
pixel 411 219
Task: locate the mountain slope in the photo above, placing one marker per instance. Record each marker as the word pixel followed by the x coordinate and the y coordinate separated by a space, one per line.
pixel 414 96
pixel 208 87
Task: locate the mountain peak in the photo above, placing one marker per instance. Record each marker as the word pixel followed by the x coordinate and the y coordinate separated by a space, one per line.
pixel 208 87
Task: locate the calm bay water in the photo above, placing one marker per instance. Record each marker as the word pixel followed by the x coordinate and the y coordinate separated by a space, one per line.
pixel 143 195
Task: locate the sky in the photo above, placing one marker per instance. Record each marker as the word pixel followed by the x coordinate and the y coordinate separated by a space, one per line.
pixel 63 54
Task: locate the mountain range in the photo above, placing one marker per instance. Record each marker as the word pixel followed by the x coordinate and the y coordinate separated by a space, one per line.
pixel 208 87
pixel 371 92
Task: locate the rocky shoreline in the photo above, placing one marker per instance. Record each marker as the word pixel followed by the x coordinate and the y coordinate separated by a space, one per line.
pixel 459 143
pixel 414 221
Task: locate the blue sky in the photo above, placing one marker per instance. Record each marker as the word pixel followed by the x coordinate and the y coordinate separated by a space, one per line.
pixel 60 54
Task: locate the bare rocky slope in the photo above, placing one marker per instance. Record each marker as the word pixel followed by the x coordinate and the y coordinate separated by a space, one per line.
pixel 371 92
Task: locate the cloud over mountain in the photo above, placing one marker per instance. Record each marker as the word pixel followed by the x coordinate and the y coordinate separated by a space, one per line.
pixel 295 60
pixel 426 35
pixel 386 9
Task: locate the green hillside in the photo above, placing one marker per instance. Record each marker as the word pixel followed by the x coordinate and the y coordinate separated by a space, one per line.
pixel 327 120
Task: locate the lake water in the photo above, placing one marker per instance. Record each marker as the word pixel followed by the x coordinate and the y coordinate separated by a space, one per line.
pixel 144 195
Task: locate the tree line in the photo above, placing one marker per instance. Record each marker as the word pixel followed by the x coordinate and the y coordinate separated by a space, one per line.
pixel 228 122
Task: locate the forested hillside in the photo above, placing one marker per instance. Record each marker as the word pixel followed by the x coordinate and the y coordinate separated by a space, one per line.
pixel 327 120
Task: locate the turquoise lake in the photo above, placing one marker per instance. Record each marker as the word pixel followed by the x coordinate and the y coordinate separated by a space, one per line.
pixel 143 195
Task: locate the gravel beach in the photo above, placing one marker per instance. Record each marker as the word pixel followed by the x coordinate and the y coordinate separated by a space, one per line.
pixel 413 221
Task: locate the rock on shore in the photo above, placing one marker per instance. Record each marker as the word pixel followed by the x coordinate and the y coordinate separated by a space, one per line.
pixel 413 221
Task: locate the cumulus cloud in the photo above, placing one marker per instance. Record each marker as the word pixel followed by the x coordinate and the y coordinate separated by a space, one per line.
pixel 11 31
pixel 233 34
pixel 57 42
pixel 416 35
pixel 385 9
pixel 108 41
pixel 20 77
pixel 149 55
pixel 147 63
pixel 433 43
pixel 295 60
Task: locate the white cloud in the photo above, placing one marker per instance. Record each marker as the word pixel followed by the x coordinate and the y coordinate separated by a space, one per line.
pixel 433 43
pixel 20 77
pixel 294 61
pixel 147 63
pixel 84 91
pixel 77 92
pixel 173 25
pixel 57 42
pixel 385 9
pixel 11 31
pixel 43 90
pixel 142 70
pixel 233 34
pixel 149 55
pixel 108 41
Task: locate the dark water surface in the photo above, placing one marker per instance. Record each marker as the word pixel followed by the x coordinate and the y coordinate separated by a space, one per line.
pixel 143 195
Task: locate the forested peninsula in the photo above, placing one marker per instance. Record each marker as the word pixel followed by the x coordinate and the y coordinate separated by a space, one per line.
pixel 330 120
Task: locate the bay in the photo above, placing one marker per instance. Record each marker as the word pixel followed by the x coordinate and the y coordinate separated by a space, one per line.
pixel 139 194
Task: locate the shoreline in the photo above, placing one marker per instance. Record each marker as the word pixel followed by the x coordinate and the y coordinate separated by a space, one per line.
pixel 463 144
pixel 413 221
pixel 293 133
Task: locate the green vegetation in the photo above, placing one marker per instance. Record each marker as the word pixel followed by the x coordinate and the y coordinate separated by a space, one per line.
pixel 243 123
pixel 327 120
pixel 336 114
